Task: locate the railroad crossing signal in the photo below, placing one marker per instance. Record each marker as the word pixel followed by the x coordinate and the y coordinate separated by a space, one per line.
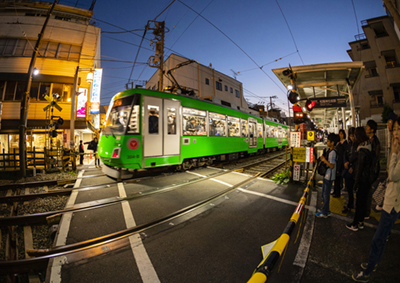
pixel 52 102
pixel 310 104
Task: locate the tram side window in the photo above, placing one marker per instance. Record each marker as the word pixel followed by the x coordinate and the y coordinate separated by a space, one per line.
pixel 154 112
pixel 244 128
pixel 133 127
pixel 217 125
pixel 194 122
pixel 234 126
pixel 259 130
pixel 276 132
pixel 270 131
pixel 171 116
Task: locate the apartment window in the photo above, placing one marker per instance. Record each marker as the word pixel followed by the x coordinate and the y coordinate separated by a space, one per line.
pixel 396 92
pixel 390 58
pixel 370 68
pixel 225 103
pixel 24 47
pixel 231 90
pixel 364 45
pixel 237 94
pixel 20 90
pixel 226 88
pixel 207 81
pixel 379 29
pixel 218 85
pixel 33 93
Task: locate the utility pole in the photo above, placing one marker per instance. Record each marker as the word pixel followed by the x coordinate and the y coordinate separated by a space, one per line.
pixel 157 61
pixel 25 99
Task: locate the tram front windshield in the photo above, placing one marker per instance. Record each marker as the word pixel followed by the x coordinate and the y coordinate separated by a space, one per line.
pixel 118 119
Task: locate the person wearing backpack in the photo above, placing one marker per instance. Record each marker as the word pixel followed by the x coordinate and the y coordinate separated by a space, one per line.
pixel 371 128
pixel 362 184
pixel 390 212
pixel 330 175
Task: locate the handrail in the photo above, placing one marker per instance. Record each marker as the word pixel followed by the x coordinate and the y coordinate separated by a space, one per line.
pixel 263 270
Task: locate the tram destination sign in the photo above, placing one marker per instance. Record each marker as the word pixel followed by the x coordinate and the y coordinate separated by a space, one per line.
pixel 329 102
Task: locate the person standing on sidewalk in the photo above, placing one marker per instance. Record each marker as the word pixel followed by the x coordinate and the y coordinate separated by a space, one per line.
pixel 81 152
pixel 371 128
pixel 350 159
pixel 330 175
pixel 361 178
pixel 340 150
pixel 390 212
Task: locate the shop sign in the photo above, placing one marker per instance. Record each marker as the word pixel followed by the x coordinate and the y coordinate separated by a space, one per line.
pixel 96 87
pixel 81 103
pixel 310 135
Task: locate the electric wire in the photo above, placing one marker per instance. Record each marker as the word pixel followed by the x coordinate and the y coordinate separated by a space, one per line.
pixel 137 54
pixel 294 41
pixel 165 9
pixel 241 49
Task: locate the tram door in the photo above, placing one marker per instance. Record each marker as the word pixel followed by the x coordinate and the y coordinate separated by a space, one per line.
pixel 252 133
pixel 161 126
pixel 172 127
pixel 153 126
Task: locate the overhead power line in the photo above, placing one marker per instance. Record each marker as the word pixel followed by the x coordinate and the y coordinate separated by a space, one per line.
pixel 294 41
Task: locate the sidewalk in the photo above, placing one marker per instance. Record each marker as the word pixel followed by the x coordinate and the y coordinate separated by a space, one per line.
pixel 337 252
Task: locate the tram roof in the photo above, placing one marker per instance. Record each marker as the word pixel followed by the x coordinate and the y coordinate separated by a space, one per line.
pixel 323 80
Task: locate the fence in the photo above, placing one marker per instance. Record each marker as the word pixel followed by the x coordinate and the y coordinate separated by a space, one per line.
pixel 47 158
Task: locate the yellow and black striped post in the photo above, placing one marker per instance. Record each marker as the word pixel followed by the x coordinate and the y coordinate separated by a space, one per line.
pixel 65 159
pixel 263 270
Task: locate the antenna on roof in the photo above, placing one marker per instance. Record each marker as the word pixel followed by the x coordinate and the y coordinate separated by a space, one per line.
pixel 235 74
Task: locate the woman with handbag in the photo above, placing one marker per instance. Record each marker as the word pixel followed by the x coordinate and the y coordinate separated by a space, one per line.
pixel 390 212
pixel 93 146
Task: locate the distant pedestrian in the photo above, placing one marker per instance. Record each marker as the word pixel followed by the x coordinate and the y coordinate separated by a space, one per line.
pixel 390 212
pixel 371 129
pixel 361 178
pixel 330 175
pixel 350 159
pixel 81 152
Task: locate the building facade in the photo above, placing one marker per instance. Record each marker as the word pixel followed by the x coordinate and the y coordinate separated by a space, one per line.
pixel 69 51
pixel 379 48
pixel 205 82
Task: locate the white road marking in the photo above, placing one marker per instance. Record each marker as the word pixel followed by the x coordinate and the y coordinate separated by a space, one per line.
pixel 55 274
pixel 146 268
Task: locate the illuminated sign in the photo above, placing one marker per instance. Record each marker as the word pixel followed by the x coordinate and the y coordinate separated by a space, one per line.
pixel 81 103
pixel 96 87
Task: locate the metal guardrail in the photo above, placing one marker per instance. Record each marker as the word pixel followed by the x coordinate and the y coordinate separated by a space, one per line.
pixel 263 270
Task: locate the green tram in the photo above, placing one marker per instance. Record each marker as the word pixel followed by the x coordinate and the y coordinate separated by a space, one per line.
pixel 147 129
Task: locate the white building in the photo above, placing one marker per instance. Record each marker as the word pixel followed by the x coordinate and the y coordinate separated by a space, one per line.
pixel 70 41
pixel 206 82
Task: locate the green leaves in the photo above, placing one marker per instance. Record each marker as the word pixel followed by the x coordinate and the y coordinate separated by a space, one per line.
pixel 281 178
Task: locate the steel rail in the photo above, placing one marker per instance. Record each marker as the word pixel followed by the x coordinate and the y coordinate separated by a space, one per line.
pixel 48 217
pixel 25 265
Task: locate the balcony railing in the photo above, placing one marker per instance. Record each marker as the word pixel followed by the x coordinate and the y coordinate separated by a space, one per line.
pixel 360 36
pixel 374 104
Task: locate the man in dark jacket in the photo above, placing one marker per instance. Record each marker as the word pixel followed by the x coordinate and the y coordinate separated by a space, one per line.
pixel 341 150
pixel 371 128
pixel 81 152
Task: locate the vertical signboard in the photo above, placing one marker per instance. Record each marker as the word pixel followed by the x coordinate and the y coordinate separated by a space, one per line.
pixel 296 173
pixel 81 103
pixel 309 154
pixel 295 139
pixel 96 86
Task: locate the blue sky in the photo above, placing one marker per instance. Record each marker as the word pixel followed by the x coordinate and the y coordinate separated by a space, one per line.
pixel 321 30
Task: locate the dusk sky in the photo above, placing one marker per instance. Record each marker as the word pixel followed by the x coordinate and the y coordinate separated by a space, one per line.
pixel 233 35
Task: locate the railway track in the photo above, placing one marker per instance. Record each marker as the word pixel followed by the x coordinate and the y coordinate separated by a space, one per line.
pixel 42 256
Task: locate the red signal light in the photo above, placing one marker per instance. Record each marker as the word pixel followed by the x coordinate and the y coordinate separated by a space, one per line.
pixel 310 105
